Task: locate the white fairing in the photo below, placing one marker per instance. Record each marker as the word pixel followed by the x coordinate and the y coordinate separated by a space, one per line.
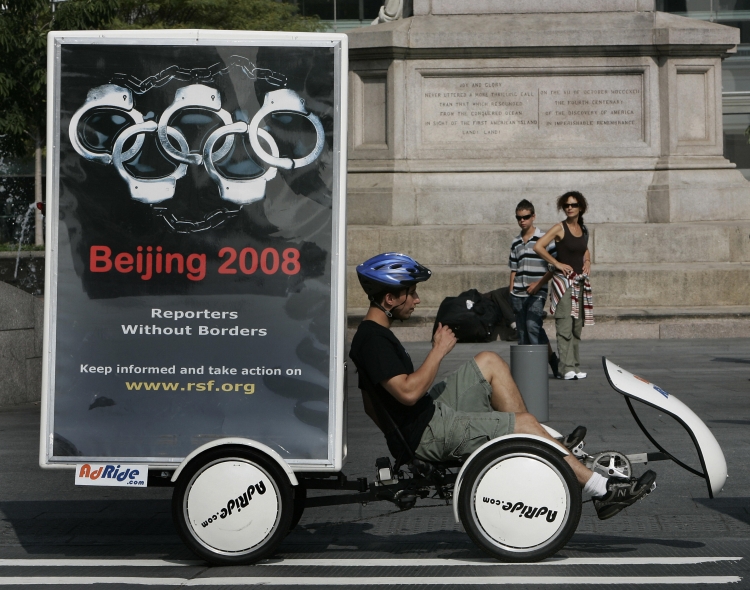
pixel 521 487
pixel 708 448
pixel 494 441
pixel 232 506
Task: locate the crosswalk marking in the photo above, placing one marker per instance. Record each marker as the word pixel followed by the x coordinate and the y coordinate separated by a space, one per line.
pixel 353 562
pixel 386 581
pixel 86 581
pixel 474 581
pixel 100 563
pixel 612 561
pixel 207 579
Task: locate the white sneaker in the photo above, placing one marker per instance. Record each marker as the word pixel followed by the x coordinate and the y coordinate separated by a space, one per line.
pixel 571 375
pixel 581 375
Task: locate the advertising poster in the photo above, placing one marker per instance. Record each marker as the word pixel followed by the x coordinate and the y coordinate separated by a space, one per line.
pixel 197 257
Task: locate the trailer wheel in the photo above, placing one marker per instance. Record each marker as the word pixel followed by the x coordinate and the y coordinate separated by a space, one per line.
pixel 232 505
pixel 519 501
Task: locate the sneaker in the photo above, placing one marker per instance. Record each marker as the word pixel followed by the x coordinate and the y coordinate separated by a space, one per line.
pixel 554 362
pixel 621 493
pixel 574 438
pixel 581 375
pixel 570 375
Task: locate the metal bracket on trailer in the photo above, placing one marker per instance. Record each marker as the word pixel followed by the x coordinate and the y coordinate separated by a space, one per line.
pixel 403 491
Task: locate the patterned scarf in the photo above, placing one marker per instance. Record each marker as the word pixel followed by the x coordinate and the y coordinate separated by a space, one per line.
pixel 561 283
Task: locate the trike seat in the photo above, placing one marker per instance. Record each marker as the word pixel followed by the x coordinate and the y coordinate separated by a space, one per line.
pixel 377 412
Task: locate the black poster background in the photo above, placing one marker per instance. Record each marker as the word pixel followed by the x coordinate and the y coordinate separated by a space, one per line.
pixel 96 415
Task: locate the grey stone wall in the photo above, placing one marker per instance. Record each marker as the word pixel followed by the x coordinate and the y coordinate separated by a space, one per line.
pixel 21 333
pixel 461 111
pixel 447 7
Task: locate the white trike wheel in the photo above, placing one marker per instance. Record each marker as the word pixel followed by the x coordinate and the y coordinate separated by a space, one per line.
pixel 519 501
pixel 232 505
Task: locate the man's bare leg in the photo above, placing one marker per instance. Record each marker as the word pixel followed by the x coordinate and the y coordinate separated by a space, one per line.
pixel 505 394
pixel 507 398
pixel 527 424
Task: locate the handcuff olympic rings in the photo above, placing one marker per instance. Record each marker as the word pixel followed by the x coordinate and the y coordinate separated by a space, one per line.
pixel 285 101
pixel 200 97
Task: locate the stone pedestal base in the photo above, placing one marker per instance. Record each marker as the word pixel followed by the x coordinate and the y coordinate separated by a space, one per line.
pixel 697 195
pixel 457 116
pixel 481 198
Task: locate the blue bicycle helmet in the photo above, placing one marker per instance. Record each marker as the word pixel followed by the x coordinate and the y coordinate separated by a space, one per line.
pixel 390 271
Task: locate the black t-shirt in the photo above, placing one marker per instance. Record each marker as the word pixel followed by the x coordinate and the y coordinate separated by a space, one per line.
pixel 379 355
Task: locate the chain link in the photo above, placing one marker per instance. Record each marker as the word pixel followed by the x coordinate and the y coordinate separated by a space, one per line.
pixel 199 75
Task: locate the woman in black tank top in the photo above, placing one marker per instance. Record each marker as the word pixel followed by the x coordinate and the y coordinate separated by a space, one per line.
pixel 573 262
pixel 571 249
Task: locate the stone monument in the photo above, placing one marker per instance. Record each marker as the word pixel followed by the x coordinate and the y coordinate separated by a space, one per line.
pixel 468 106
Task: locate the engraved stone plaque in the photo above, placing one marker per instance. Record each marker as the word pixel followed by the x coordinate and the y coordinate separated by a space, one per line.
pixel 578 109
pixel 422 7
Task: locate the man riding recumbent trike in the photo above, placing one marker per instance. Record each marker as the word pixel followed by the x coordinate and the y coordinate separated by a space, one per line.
pixel 475 423
pixel 516 485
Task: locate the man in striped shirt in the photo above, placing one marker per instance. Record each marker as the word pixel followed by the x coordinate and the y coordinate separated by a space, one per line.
pixel 529 276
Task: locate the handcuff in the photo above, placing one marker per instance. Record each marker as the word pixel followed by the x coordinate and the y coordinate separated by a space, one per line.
pixel 106 96
pixel 285 101
pixel 148 190
pixel 195 96
pixel 246 190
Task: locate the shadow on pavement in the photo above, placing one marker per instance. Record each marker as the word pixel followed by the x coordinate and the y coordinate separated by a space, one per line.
pixel 738 507
pixel 742 422
pixel 593 544
pixel 367 533
pixel 721 359
pixel 58 527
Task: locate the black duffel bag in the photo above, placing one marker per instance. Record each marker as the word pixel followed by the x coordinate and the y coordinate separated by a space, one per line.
pixel 471 316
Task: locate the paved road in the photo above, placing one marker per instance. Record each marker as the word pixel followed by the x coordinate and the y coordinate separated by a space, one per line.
pixel 52 533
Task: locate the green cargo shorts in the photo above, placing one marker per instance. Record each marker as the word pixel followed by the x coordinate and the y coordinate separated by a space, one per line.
pixel 464 419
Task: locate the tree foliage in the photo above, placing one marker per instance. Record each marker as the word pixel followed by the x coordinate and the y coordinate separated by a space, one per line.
pixel 24 25
pixel 249 15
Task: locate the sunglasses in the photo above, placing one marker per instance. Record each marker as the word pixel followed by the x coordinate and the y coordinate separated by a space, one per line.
pixel 524 217
pixel 573 205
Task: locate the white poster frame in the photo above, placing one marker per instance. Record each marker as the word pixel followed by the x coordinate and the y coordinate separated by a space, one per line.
pixel 337 364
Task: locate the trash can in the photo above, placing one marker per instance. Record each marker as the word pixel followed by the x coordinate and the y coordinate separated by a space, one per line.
pixel 528 365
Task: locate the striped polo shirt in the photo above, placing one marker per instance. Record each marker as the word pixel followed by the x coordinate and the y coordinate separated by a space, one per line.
pixel 529 266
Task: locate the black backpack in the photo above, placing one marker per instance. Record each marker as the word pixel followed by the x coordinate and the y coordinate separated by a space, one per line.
pixel 470 316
